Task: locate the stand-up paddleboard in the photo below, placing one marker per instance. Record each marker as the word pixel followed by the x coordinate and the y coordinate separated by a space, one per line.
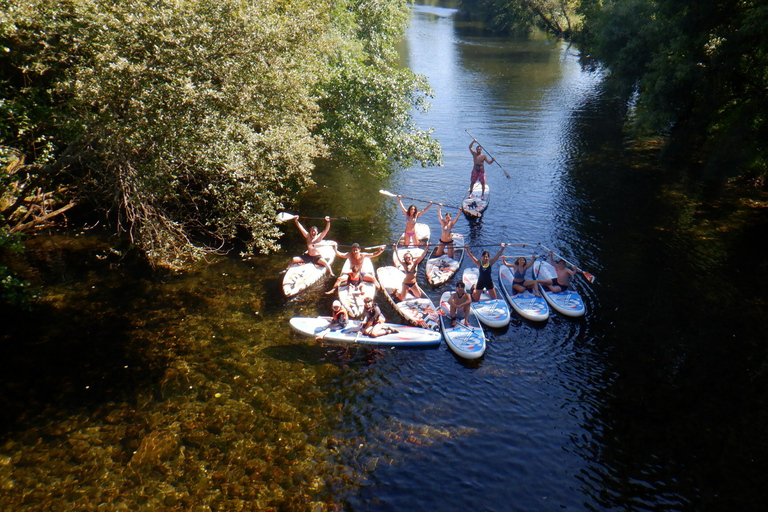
pixel 422 235
pixel 406 335
pixel 439 270
pixel 465 341
pixel 353 297
pixel 301 276
pixel 526 304
pixel 569 302
pixel 473 204
pixel 491 312
pixel 417 311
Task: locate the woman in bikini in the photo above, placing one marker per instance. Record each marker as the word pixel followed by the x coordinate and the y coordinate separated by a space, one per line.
pixel 519 283
pixel 446 233
pixel 410 266
pixel 484 279
pixel 412 214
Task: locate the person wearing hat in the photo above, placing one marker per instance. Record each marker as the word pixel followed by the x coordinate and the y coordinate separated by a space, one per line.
pixel 339 319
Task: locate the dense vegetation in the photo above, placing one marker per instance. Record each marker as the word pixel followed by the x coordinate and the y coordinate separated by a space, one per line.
pixel 187 123
pixel 693 71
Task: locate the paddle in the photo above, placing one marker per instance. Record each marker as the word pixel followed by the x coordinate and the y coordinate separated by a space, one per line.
pixel 589 277
pixel 285 217
pixel 390 194
pixel 490 155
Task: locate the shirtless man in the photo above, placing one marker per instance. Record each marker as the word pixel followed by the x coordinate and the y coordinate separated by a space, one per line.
pixel 446 236
pixel 478 170
pixel 563 279
pixel 312 237
pixel 410 267
pixel 356 257
pixel 459 301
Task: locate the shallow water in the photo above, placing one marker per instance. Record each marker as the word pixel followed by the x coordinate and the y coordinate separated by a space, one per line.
pixel 140 393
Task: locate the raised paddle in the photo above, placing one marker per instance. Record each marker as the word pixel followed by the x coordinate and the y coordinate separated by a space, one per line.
pixel 589 277
pixel 490 155
pixel 285 217
pixel 390 194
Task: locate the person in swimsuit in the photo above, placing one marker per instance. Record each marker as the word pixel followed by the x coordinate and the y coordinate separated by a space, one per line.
pixel 339 319
pixel 412 214
pixel 484 279
pixel 410 266
pixel 356 257
pixel 459 301
pixel 478 169
pixel 563 279
pixel 519 283
pixel 312 237
pixel 373 320
pixel 446 233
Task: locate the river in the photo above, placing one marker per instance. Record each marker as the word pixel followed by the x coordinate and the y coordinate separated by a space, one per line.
pixel 191 392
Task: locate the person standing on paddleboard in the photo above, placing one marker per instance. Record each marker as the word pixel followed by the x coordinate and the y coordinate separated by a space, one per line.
pixel 312 237
pixel 484 278
pixel 412 214
pixel 478 169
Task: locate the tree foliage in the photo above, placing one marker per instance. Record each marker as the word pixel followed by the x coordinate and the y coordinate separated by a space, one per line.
pixel 556 17
pixel 700 70
pixel 189 120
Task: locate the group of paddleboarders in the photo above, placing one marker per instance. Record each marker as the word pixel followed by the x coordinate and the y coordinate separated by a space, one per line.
pixel 460 299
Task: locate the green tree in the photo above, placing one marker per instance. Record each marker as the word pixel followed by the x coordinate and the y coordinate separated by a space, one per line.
pixel 699 71
pixel 189 120
pixel 556 17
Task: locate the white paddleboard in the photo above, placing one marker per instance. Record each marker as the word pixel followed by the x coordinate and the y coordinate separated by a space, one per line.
pixel 474 204
pixel 525 304
pixel 491 312
pixel 354 299
pixel 407 336
pixel 440 270
pixel 417 311
pixel 467 342
pixel 301 276
pixel 569 302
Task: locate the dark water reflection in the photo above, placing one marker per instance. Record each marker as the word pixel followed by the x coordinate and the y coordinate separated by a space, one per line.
pixel 141 393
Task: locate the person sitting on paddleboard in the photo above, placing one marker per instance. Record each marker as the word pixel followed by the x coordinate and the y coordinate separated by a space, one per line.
pixel 373 320
pixel 519 282
pixel 412 214
pixel 446 233
pixel 563 279
pixel 356 257
pixel 484 279
pixel 339 319
pixel 478 170
pixel 312 237
pixel 354 278
pixel 410 266
pixel 459 302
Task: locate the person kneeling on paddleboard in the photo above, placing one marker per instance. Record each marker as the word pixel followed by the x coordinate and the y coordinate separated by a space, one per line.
pixel 373 321
pixel 459 302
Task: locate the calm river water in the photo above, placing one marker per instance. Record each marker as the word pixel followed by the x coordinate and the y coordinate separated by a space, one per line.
pixel 192 392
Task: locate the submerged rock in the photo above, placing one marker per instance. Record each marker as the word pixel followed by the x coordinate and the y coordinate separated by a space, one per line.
pixel 155 447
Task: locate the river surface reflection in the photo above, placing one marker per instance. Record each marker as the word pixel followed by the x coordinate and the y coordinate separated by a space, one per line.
pixel 192 391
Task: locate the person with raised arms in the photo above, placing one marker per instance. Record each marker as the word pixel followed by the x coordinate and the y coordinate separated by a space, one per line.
pixel 446 232
pixel 312 237
pixel 356 258
pixel 563 279
pixel 519 282
pixel 484 278
pixel 412 214
pixel 410 267
pixel 478 169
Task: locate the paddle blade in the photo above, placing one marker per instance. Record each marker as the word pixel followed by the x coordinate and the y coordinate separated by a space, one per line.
pixel 285 217
pixel 589 277
pixel 386 193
